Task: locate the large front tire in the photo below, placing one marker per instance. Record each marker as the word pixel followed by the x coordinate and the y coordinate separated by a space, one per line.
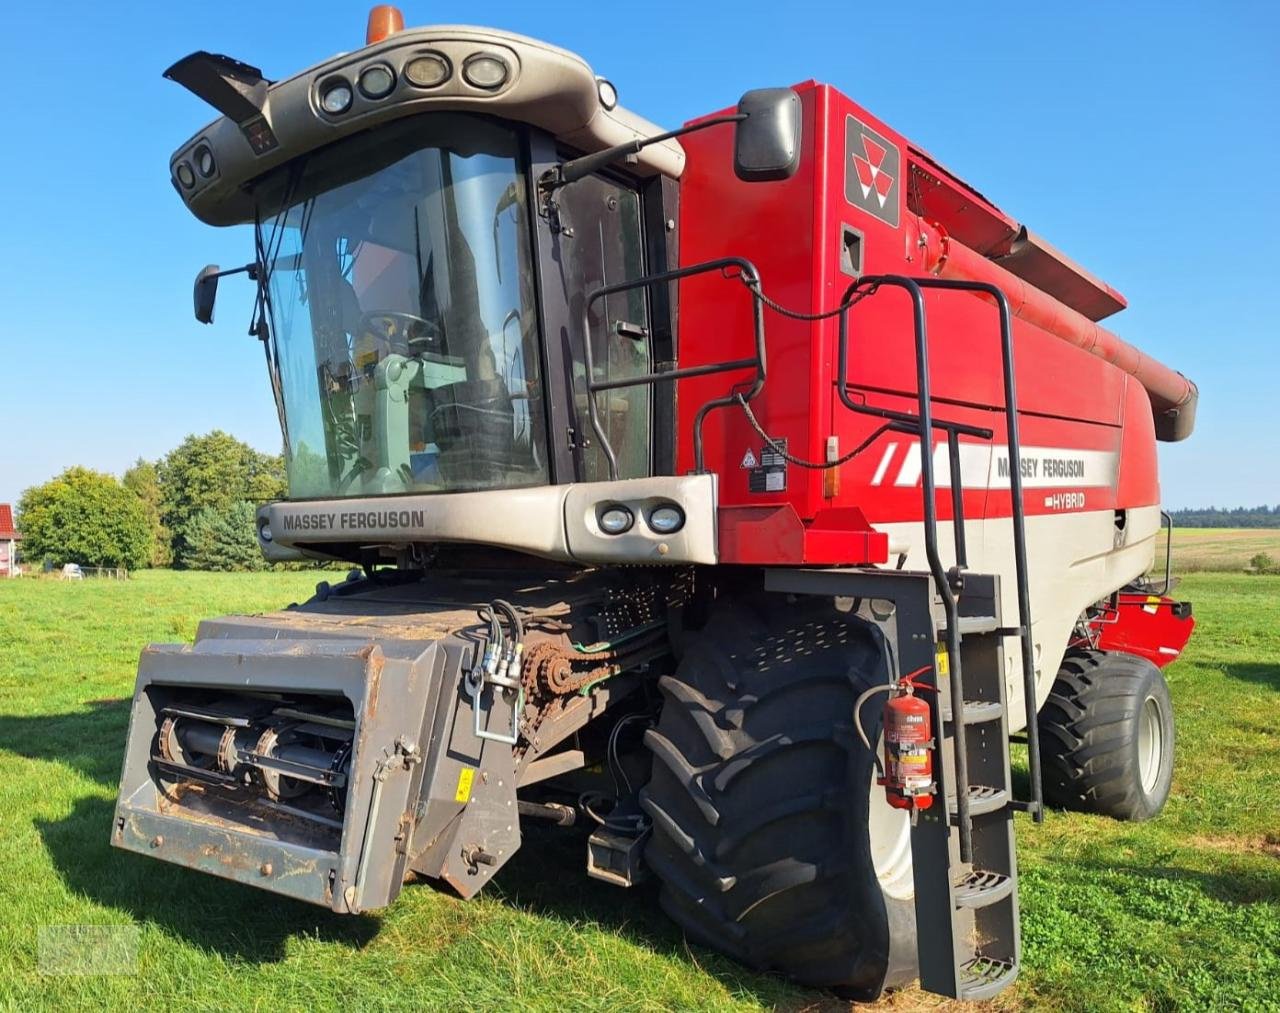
pixel 771 841
pixel 1106 736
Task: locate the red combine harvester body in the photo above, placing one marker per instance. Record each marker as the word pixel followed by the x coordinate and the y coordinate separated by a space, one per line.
pixel 737 490
pixel 1075 405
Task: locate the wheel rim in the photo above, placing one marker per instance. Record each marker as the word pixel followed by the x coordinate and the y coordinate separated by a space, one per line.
pixel 1150 744
pixel 890 833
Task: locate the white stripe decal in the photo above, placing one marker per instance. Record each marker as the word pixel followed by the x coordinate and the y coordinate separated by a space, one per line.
pixel 987 467
pixel 909 473
pixel 884 463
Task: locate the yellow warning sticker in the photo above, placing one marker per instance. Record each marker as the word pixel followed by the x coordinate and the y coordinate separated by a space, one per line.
pixel 943 665
pixel 465 776
pixel 1152 605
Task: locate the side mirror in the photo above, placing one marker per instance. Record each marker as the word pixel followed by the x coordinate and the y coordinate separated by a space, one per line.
pixel 766 144
pixel 206 292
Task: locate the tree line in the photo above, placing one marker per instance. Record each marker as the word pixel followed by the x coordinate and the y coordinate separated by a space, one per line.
pixel 192 509
pixel 1221 517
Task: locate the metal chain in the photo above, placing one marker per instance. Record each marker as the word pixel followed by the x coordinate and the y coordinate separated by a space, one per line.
pixel 858 295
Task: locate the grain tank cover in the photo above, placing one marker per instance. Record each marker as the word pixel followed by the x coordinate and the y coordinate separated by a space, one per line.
pixel 940 196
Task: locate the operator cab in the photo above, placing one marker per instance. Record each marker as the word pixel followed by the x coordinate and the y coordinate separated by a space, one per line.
pixel 425 240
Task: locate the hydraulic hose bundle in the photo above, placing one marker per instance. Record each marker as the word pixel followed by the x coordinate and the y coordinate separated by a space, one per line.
pixel 499 666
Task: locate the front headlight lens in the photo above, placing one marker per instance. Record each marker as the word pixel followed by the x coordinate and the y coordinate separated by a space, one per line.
pixel 607 93
pixel 185 176
pixel 666 520
pixel 377 81
pixel 336 96
pixel 615 520
pixel 204 161
pixel 429 70
pixel 484 70
pixel 264 532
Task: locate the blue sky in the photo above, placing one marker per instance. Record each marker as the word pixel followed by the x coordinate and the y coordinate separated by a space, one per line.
pixel 1140 139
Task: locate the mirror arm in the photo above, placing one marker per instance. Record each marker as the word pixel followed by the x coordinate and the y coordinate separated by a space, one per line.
pixel 250 269
pixel 576 168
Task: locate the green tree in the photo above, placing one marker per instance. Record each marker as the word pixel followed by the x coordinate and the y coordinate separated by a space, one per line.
pixel 212 471
pixel 224 539
pixel 84 517
pixel 143 480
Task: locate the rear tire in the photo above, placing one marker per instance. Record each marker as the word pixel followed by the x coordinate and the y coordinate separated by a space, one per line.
pixel 1106 736
pixel 763 803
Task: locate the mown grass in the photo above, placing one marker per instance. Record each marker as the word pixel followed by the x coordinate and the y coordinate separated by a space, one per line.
pixel 1226 550
pixel 1182 913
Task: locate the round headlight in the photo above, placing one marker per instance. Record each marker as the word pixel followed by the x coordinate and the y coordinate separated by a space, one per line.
pixel 615 520
pixel 185 175
pixel 430 70
pixel 335 96
pixel 264 532
pixel 608 94
pixel 484 70
pixel 377 81
pixel 204 161
pixel 666 520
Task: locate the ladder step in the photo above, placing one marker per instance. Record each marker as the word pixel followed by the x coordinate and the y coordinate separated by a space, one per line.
pixel 978 711
pixel 983 977
pixel 982 799
pixel 973 625
pixel 982 889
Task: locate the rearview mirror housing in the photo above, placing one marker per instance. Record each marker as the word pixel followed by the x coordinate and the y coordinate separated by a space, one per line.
pixel 766 144
pixel 206 293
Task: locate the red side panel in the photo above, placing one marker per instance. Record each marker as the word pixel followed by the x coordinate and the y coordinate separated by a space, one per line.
pixel 1152 627
pixel 850 199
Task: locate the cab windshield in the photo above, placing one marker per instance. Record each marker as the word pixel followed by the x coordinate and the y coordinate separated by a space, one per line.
pixel 398 286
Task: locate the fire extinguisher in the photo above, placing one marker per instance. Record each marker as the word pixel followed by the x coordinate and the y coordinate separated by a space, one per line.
pixel 907 772
pixel 908 748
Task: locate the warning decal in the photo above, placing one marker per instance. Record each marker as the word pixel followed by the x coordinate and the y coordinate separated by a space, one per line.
pixel 749 460
pixel 770 474
pixel 465 776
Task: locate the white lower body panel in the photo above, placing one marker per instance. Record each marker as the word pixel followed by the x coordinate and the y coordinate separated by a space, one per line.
pixel 1073 560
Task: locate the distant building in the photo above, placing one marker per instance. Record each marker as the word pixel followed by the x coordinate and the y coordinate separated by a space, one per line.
pixel 9 539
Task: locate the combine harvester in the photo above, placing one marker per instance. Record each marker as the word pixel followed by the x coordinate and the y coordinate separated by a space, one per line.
pixel 690 495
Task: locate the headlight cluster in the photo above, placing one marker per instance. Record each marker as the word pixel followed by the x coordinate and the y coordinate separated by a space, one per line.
pixel 423 70
pixel 204 164
pixel 663 519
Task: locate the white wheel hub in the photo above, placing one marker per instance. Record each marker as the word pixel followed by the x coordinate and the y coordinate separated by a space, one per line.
pixel 890 833
pixel 1150 744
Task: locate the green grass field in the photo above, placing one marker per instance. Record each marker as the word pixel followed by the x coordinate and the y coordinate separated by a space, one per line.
pixel 1226 550
pixel 1181 913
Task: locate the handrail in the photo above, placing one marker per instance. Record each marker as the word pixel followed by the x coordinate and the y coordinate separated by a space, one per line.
pixel 750 277
pixel 1019 522
pixel 950 606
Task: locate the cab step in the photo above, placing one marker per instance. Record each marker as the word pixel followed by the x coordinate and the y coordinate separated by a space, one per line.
pixel 983 798
pixel 980 888
pixel 978 711
pixel 985 977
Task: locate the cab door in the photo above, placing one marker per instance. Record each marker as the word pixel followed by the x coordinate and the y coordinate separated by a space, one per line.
pixel 595 237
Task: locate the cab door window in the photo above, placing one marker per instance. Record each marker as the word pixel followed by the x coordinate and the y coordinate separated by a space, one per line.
pixel 602 243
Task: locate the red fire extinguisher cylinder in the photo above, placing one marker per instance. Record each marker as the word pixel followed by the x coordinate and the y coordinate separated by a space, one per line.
pixel 908 750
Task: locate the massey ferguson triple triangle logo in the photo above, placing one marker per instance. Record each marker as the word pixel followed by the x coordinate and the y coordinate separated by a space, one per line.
pixel 871 171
